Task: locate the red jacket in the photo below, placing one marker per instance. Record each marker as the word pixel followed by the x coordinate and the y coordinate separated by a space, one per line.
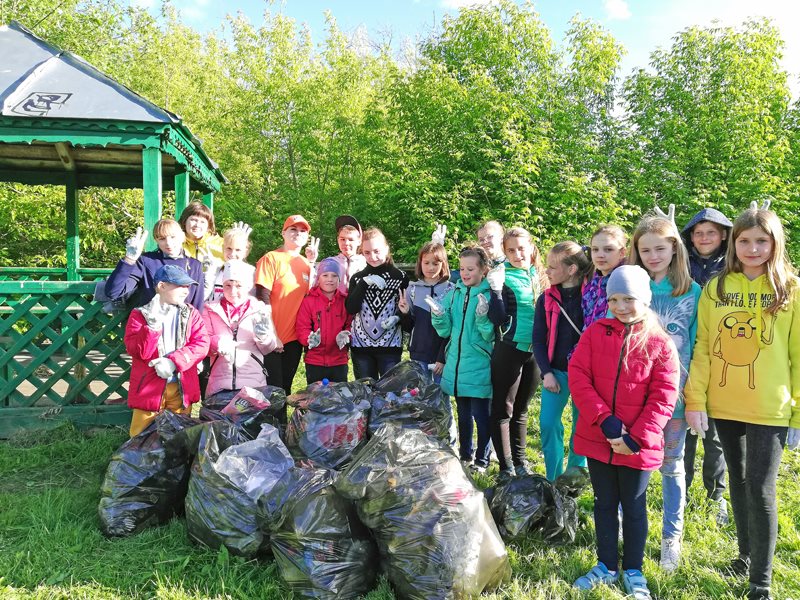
pixel 642 394
pixel 317 312
pixel 141 342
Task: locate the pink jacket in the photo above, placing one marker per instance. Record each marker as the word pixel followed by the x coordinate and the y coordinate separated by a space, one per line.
pixel 317 312
pixel 246 368
pixel 642 393
pixel 141 342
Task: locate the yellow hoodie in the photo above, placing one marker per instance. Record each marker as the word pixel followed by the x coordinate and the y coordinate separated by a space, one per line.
pixel 209 244
pixel 746 362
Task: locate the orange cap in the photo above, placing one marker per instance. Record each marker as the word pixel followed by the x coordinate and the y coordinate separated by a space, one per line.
pixel 296 221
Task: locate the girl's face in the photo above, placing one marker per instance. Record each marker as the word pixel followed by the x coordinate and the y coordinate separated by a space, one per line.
pixel 519 252
pixel 235 249
pixel 491 239
pixel 626 308
pixel 348 242
pixel 656 254
pixel 328 282
pixel 171 242
pixel 754 248
pixel 471 271
pixel 431 267
pixel 171 293
pixel 375 250
pixel 707 237
pixel 557 271
pixel 606 253
pixel 196 227
pixel 294 237
pixel 234 292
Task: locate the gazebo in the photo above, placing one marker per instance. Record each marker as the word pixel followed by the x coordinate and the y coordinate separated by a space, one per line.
pixel 65 123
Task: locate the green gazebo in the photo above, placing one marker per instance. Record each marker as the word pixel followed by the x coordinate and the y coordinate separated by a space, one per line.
pixel 65 123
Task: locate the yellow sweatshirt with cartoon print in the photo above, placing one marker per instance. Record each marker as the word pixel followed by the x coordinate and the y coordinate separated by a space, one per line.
pixel 746 361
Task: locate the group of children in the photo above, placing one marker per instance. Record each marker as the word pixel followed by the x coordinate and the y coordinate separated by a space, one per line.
pixel 683 330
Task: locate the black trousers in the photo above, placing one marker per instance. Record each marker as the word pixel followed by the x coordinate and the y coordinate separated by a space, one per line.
pixel 281 368
pixel 713 462
pixel 374 362
pixel 337 374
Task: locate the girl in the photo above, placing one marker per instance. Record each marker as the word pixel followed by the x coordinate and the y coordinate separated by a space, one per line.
pixel 745 373
pixel 462 317
pixel 607 246
pixel 202 242
pixel 426 346
pixel 377 341
pixel 624 379
pixel 557 324
pixel 236 245
pixel 241 333
pixel 515 287
pixel 657 247
pixel 348 237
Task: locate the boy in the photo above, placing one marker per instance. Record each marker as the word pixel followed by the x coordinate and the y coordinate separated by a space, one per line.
pixel 348 236
pixel 166 339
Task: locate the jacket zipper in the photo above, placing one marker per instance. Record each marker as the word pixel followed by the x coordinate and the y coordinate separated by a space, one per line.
pixel 460 335
pixel 616 381
pixel 233 378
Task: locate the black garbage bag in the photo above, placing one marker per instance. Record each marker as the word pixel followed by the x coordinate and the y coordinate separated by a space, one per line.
pixel 228 476
pixel 321 548
pixel 532 506
pixel 573 481
pixel 234 406
pixel 329 423
pixel 434 531
pixel 145 483
pixel 275 397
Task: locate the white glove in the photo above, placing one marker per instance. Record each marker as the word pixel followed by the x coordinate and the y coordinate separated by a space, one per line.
pixel 244 227
pixel 436 308
pixel 226 347
pixel 497 277
pixel 793 438
pixel 483 306
pixel 390 322
pixel 312 250
pixel 263 329
pixel 439 234
pixel 698 422
pixel 342 339
pixel 670 215
pixel 155 312
pixel 135 244
pixel 314 338
pixel 376 281
pixel 164 367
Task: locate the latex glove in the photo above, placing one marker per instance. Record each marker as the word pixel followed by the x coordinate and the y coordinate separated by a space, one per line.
pixel 342 339
pixel 793 438
pixel 497 277
pixel 244 227
pixel 697 421
pixel 438 368
pixel 312 250
pixel 669 215
pixel 314 338
pixel 390 322
pixel 135 244
pixel 375 281
pixel 483 306
pixel 439 234
pixel 226 347
pixel 155 312
pixel 262 329
pixel 436 308
pixel 164 367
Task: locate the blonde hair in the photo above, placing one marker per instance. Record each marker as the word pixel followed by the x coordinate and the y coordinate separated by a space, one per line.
pixel 615 232
pixel 375 233
pixel 494 224
pixel 164 227
pixel 237 234
pixel 439 254
pixel 780 273
pixel 571 253
pixel 678 272
pixel 639 340
pixel 536 257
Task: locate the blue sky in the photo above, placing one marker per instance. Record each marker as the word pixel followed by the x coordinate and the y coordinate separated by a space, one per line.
pixel 640 25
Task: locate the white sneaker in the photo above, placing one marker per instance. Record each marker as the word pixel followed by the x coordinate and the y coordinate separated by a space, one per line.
pixel 670 554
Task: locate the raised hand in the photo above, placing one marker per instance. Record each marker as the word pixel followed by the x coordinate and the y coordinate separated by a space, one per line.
pixel 439 234
pixel 497 277
pixel 135 244
pixel 244 227
pixel 402 302
pixel 669 215
pixel 312 250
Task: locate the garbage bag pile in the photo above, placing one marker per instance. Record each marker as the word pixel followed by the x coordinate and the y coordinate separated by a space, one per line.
pixel 321 548
pixel 573 481
pixel 248 408
pixel 329 422
pixel 145 482
pixel 228 476
pixel 532 506
pixel 433 527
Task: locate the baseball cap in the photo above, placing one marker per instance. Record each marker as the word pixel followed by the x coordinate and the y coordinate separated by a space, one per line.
pixel 296 221
pixel 173 274
pixel 343 220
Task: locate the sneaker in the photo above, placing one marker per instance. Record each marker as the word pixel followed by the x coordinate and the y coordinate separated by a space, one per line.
pixel 758 593
pixel 476 468
pixel 670 554
pixel 599 575
pixel 722 514
pixel 522 470
pixel 635 584
pixel 739 566
pixel 467 464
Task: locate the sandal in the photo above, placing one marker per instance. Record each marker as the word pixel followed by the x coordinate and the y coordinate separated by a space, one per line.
pixel 635 584
pixel 599 575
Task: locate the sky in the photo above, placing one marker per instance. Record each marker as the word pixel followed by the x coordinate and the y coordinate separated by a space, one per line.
pixel 640 25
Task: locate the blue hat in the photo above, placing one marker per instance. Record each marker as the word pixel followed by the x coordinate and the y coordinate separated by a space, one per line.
pixel 630 280
pixel 173 274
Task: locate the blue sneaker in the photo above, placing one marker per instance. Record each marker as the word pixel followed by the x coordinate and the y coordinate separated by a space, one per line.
pixel 599 575
pixel 635 584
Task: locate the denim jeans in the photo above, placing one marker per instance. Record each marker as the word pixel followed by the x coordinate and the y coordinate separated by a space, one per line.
pixel 673 480
pixel 552 429
pixel 753 454
pixel 374 362
pixel 713 462
pixel 477 409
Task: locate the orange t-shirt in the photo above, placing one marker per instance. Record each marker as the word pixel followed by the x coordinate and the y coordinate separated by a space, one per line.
pixel 287 277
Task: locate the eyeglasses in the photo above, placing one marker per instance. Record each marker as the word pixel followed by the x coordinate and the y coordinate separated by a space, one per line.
pixel 487 238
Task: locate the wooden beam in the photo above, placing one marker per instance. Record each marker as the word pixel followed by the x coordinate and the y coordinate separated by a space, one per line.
pixel 181 192
pixel 151 181
pixel 65 156
pixel 73 228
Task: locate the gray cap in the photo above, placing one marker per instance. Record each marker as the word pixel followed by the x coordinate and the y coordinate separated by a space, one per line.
pixel 631 280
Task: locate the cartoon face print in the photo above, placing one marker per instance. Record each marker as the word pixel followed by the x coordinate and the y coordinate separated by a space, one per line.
pixel 737 344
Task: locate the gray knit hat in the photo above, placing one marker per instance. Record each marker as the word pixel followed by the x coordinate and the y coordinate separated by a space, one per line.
pixel 631 280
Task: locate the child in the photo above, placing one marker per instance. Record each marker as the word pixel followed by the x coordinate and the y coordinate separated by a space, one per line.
pixel 607 246
pixel 426 346
pixel 236 245
pixel 557 324
pixel 657 247
pixel 202 241
pixel 745 373
pixel 706 237
pixel 241 333
pixel 624 379
pixel 323 326
pixel 515 374
pixel 462 316
pixel 134 275
pixel 490 237
pixel 376 341
pixel 348 236
pixel 166 339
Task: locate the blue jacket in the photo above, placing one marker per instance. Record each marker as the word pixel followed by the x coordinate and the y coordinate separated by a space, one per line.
pixel 426 345
pixel 469 351
pixel 704 268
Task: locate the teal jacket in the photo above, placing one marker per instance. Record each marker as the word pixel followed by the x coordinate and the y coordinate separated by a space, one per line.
pixel 511 309
pixel 469 351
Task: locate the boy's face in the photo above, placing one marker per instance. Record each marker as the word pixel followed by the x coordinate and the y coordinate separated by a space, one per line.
pixel 349 241
pixel 171 241
pixel 171 293
pixel 328 282
pixel 707 237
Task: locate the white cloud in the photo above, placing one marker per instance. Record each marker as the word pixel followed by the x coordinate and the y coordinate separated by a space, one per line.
pixel 456 4
pixel 617 10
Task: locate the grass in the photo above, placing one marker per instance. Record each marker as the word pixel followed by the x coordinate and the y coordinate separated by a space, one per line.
pixel 51 546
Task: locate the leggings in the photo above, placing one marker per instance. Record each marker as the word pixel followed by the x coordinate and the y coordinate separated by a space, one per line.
pixel 281 368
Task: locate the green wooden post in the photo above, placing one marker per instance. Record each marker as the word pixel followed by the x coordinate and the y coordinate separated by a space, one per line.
pixel 151 181
pixel 181 192
pixel 208 200
pixel 73 229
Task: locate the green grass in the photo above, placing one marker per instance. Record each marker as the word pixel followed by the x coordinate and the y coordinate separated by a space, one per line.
pixel 51 546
